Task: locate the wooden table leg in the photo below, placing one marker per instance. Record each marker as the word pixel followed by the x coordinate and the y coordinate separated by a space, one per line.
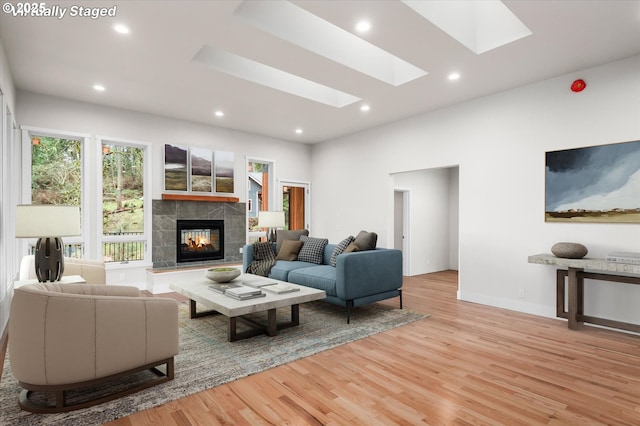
pixel 295 315
pixel 575 298
pixel 272 325
pixel 232 335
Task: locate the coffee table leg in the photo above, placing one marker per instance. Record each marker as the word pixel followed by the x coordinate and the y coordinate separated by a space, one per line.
pixel 272 326
pixel 193 313
pixel 231 331
pixel 295 315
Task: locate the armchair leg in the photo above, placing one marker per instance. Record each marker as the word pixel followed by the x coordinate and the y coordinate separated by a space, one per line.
pixel 400 294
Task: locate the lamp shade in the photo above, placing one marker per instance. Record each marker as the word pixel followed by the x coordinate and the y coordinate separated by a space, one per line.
pixel 45 220
pixel 271 219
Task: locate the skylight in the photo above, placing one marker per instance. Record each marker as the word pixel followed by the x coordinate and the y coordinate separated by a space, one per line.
pixel 297 26
pixel 274 78
pixel 479 25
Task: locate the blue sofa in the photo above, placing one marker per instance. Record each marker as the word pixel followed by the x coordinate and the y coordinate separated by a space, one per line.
pixel 357 279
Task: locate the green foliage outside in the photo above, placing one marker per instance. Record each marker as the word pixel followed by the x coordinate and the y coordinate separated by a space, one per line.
pixel 56 171
pixel 122 190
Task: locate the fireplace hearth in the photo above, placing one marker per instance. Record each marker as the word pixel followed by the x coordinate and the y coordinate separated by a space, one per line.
pixel 199 240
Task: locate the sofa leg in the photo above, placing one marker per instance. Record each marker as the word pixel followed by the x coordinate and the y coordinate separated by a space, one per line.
pixel 400 294
pixel 349 306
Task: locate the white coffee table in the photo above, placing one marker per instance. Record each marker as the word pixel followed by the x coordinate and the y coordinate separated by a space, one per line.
pixel 198 291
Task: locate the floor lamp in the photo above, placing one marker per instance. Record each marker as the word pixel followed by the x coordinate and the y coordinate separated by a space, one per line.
pixel 48 223
pixel 271 220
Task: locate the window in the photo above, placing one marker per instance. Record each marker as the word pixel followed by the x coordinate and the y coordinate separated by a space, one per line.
pixel 259 180
pixel 110 181
pixel 56 176
pixel 123 203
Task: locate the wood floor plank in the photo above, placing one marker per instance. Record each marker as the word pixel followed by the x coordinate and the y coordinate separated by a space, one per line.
pixel 467 364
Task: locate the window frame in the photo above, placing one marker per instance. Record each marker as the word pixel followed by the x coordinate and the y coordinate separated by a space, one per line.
pixel 85 141
pixel 148 203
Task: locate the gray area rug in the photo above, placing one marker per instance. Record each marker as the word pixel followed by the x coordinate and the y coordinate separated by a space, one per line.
pixel 207 360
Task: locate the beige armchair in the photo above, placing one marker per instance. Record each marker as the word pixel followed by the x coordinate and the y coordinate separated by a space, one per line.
pixel 92 271
pixel 68 336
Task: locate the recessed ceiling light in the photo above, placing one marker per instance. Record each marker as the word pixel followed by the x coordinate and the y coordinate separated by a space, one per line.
pixel 299 131
pixel 99 88
pixel 121 28
pixel 219 114
pixel 363 26
pixel 365 107
pixel 454 76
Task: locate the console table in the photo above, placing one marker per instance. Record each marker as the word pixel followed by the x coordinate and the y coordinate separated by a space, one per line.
pixel 575 271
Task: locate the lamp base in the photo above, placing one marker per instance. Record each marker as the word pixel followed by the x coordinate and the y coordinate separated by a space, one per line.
pixel 49 259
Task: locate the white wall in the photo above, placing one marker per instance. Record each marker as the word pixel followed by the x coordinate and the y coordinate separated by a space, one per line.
pixel 499 143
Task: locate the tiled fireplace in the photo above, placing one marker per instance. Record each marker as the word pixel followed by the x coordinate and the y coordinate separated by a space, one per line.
pixel 221 224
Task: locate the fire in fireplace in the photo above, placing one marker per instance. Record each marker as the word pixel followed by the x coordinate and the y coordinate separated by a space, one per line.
pixel 199 240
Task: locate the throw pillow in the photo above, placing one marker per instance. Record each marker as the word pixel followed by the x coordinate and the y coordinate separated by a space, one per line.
pixel 312 250
pixel 351 248
pixel 340 249
pixel 366 240
pixel 289 250
pixel 283 235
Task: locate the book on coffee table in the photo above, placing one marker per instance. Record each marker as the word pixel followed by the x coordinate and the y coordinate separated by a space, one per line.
pixel 281 288
pixel 246 297
pixel 258 283
pixel 243 292
pixel 222 287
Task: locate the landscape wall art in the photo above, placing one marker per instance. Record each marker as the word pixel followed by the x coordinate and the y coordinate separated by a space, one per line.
pixel 224 162
pixel 594 184
pixel 175 168
pixel 201 166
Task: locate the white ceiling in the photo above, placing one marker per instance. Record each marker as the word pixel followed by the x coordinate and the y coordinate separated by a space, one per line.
pixel 151 69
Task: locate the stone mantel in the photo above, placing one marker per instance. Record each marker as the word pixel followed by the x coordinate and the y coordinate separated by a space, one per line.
pixel 196 197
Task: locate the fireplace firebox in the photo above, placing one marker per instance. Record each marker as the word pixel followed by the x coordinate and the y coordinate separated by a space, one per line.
pixel 199 240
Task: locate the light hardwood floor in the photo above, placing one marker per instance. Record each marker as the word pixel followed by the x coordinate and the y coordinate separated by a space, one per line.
pixel 466 364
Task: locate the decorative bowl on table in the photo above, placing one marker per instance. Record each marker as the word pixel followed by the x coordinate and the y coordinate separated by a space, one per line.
pixel 222 275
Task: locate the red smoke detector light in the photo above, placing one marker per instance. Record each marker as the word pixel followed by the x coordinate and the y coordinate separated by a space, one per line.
pixel 578 85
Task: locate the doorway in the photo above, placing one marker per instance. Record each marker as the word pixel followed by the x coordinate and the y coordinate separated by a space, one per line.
pixel 401 229
pixel 431 238
pixel 295 204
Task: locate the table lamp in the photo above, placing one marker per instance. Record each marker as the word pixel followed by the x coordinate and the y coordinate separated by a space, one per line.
pixel 48 223
pixel 271 220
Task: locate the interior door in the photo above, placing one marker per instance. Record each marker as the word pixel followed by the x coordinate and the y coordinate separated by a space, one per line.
pixel 295 204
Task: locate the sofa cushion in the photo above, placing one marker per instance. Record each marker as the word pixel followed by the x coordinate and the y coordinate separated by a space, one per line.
pixel 284 235
pixel 312 250
pixel 280 271
pixel 289 250
pixel 322 277
pixel 340 249
pixel 366 240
